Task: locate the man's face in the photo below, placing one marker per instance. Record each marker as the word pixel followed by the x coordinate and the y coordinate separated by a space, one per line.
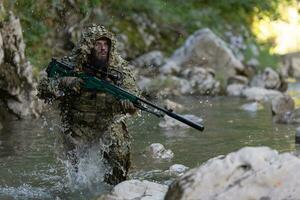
pixel 101 49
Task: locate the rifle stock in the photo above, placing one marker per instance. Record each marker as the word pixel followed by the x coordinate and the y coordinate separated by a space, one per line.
pixel 60 69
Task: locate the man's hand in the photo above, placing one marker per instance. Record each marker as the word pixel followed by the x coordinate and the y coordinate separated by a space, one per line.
pixel 72 83
pixel 128 106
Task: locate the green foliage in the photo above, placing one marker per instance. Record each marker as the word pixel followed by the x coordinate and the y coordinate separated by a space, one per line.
pixel 175 19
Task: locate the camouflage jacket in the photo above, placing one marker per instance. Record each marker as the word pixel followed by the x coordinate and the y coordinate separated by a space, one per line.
pixel 90 108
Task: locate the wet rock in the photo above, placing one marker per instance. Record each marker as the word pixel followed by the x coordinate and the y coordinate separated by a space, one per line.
pixel 202 80
pixel 170 67
pixel 292 117
pixel 282 104
pixel 250 173
pixel 170 123
pixel 151 59
pixel 177 169
pixel 252 107
pixel 197 49
pixel 235 90
pixel 158 151
pixel 171 105
pixel 138 190
pixel 237 80
pixel 17 87
pixel 260 94
pixel 290 66
pixel 269 79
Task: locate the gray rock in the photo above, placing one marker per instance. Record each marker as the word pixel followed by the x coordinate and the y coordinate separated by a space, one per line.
pixel 170 67
pixel 136 190
pixel 250 173
pixel 238 80
pixel 171 105
pixel 177 169
pixel 202 80
pixel 151 59
pixel 205 49
pixel 235 90
pixel 252 107
pixel 158 151
pixel 269 79
pixel 282 104
pixel 260 94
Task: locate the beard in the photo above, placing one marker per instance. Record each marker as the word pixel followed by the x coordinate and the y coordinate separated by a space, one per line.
pixel 98 63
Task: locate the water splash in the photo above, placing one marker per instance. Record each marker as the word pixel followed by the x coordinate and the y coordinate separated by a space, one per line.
pixel 91 170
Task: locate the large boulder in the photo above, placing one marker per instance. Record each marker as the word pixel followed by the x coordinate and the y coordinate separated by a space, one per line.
pixel 250 173
pixel 17 87
pixel 205 49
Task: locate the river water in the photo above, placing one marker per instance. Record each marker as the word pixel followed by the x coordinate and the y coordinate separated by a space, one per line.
pixel 31 166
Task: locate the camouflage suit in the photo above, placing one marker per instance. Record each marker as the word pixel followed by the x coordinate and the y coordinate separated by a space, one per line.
pixel 93 116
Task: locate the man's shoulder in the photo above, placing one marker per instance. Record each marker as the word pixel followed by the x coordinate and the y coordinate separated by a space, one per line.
pixel 70 61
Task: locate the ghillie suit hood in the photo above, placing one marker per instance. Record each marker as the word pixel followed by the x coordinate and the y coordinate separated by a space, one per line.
pixel 80 54
pixel 89 36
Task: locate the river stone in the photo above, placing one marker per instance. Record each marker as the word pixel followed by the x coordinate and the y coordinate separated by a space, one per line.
pixel 269 79
pixel 282 104
pixel 235 90
pixel 202 80
pixel 171 105
pixel 177 169
pixel 260 94
pixel 250 173
pixel 136 190
pixel 205 49
pixel 252 107
pixel 158 151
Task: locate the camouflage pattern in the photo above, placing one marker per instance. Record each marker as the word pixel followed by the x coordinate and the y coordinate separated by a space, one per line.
pixel 94 117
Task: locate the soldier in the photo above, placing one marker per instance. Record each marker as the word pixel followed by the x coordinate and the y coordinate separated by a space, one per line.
pixel 94 117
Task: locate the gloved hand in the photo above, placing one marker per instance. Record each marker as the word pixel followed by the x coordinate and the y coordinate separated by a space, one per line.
pixel 72 83
pixel 128 106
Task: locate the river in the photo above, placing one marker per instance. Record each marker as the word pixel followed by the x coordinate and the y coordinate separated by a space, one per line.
pixel 31 166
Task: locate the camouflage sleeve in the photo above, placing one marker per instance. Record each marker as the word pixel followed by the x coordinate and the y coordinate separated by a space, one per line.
pixel 129 81
pixel 49 89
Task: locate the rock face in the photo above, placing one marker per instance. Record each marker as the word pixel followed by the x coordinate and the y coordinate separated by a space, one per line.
pixel 205 49
pixel 17 88
pixel 250 173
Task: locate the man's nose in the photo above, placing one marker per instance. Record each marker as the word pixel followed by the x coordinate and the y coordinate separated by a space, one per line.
pixel 102 47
